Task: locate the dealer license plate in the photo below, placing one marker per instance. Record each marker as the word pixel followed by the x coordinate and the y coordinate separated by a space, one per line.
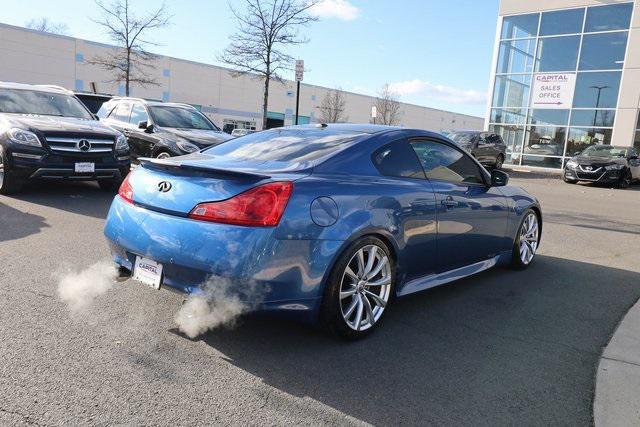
pixel 85 167
pixel 148 272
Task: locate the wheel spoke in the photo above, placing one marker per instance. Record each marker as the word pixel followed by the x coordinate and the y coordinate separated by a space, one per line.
pixel 379 301
pixel 383 262
pixel 367 306
pixel 380 282
pixel 359 312
pixel 361 262
pixel 349 272
pixel 370 261
pixel 352 307
pixel 347 293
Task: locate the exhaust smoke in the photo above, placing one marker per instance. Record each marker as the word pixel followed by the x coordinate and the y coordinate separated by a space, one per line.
pixel 78 289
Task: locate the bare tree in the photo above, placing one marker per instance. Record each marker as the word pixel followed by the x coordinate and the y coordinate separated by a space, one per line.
pixel 43 24
pixel 265 28
pixel 388 106
pixel 333 107
pixel 130 62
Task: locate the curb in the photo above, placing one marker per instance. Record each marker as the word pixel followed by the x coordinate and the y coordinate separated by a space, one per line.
pixel 617 395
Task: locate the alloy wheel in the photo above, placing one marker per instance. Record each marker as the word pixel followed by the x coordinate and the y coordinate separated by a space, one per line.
pixel 529 235
pixel 163 155
pixel 365 287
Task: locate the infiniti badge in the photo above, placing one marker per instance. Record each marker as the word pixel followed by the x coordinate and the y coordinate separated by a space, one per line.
pixel 84 145
pixel 164 186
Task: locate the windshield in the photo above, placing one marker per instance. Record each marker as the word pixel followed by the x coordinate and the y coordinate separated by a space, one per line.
pixel 462 137
pixel 284 145
pixel 180 117
pixel 19 101
pixel 604 151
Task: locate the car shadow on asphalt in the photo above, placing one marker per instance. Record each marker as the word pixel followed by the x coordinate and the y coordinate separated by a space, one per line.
pixel 15 224
pixel 502 347
pixel 83 198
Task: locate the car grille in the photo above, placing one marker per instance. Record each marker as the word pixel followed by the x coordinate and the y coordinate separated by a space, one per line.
pixel 63 144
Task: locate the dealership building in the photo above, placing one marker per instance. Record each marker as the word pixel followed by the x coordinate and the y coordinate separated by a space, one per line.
pixel 565 75
pixel 35 57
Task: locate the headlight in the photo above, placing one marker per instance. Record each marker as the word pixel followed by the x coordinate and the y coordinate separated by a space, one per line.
pixel 572 164
pixel 187 146
pixel 615 167
pixel 24 137
pixel 121 143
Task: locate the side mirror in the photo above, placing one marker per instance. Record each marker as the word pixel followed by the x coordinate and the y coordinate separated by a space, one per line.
pixel 499 178
pixel 146 126
pixel 142 125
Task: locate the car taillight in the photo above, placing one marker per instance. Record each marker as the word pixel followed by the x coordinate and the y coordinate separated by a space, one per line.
pixel 261 206
pixel 126 191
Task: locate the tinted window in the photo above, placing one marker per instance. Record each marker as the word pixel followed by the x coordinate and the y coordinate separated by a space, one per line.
pixel 579 139
pixel 285 145
pixel 138 114
pixel 520 26
pixel 597 90
pixel 20 101
pixel 179 117
pixel 605 18
pixel 441 162
pixel 593 118
pixel 397 159
pixel 510 115
pixel 516 56
pixel 562 22
pixel 549 117
pixel 557 53
pixel 603 51
pixel 494 139
pixel 121 112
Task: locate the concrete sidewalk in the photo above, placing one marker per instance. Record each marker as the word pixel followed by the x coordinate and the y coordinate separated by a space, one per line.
pixel 617 396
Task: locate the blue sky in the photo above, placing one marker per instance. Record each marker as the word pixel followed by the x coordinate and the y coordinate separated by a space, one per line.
pixel 435 53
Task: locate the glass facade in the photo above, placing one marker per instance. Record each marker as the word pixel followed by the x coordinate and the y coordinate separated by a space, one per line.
pixel 589 42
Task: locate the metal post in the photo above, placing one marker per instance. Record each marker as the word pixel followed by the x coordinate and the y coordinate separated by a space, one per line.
pixel 297 101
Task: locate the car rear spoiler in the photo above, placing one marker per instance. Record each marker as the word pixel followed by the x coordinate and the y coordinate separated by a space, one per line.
pixel 178 165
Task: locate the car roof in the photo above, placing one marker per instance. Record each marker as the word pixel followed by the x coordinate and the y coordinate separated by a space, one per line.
pixel 151 103
pixel 348 127
pixel 41 88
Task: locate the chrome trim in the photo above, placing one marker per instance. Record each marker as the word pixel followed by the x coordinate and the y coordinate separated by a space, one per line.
pixel 27 156
pixel 76 140
pixel 71 145
pixel 69 173
pixel 590 171
pixel 76 150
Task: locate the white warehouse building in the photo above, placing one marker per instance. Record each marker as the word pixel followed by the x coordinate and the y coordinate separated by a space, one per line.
pixel 35 57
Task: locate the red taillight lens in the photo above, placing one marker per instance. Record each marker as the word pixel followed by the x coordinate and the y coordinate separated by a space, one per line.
pixel 126 191
pixel 261 206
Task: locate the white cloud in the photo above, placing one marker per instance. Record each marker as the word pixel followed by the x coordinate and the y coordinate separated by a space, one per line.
pixel 340 9
pixel 423 89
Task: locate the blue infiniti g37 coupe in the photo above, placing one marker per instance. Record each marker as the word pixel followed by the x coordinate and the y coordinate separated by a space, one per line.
pixel 331 221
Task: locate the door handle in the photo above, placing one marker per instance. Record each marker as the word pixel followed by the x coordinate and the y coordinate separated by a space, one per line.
pixel 449 202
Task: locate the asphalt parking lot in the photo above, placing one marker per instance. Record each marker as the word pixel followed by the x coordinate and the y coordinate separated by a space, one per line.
pixel 503 347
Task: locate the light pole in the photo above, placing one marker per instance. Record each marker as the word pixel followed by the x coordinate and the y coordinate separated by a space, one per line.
pixel 599 89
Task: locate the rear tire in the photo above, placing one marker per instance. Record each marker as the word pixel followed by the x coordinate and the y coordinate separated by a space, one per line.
pixel 9 184
pixel 526 242
pixel 359 290
pixel 109 185
pixel 499 162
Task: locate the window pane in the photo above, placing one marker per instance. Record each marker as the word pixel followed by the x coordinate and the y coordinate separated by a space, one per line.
pixel 512 136
pixel 549 117
pixel 638 123
pixel 562 22
pixel 545 140
pixel 557 53
pixel 598 118
pixel 603 51
pixel 520 26
pixel 441 162
pixel 516 56
pixel 636 143
pixel 138 114
pixel 511 91
pixel 597 90
pixel 398 159
pixel 605 18
pixel 507 115
pixel 542 162
pixel 579 139
pixel 121 112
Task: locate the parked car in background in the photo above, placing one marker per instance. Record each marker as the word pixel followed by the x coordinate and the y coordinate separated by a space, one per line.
pixel 93 101
pixel 46 132
pixel 328 222
pixel 242 132
pixel 605 164
pixel 161 130
pixel 488 148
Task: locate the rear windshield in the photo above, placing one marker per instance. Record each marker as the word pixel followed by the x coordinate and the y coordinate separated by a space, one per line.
pixel 19 101
pixel 462 137
pixel 285 145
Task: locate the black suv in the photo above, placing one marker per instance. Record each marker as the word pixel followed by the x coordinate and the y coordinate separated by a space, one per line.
pixel 605 164
pixel 161 130
pixel 46 132
pixel 488 148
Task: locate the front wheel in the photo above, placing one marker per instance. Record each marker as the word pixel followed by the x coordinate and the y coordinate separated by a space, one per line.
pixel 626 179
pixel 163 155
pixel 526 241
pixel 359 290
pixel 8 182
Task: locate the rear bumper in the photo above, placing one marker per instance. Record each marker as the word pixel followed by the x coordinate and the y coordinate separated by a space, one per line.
pixel 280 274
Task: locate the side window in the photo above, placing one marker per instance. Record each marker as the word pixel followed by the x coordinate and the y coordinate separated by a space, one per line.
pixel 445 163
pixel 105 110
pixel 483 139
pixel 494 139
pixel 121 112
pixel 138 114
pixel 397 159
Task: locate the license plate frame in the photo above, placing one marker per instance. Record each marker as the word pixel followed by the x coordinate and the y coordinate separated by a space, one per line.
pixel 148 272
pixel 84 167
